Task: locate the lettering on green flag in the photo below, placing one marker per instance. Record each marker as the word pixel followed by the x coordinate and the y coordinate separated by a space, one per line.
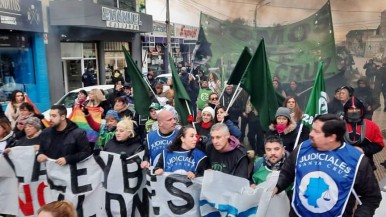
pixel 293 50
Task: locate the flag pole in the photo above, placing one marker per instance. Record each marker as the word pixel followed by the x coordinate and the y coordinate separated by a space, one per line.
pixel 298 136
pixel 151 89
pixel 234 96
pixel 190 113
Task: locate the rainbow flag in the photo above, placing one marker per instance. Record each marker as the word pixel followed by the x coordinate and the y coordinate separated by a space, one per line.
pixel 77 116
pixel 36 110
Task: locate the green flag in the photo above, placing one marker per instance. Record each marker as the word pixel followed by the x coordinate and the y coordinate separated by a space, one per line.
pixel 203 97
pixel 240 67
pixel 181 98
pixel 317 103
pixel 141 90
pixel 257 82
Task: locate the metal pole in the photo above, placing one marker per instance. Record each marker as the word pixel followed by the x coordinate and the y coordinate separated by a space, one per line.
pixel 168 32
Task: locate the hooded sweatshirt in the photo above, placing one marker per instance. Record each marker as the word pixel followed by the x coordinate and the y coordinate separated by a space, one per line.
pixel 232 160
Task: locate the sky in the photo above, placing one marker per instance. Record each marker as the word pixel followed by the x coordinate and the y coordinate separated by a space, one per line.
pixel 346 14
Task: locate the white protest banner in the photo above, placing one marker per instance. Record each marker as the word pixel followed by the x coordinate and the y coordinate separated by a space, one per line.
pixel 124 181
pixel 219 197
pixel 33 189
pixel 79 183
pixel 217 194
pixel 174 195
pixel 8 189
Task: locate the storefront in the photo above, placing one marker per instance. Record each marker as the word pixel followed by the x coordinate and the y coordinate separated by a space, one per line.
pixel 22 53
pixel 154 46
pixel 85 35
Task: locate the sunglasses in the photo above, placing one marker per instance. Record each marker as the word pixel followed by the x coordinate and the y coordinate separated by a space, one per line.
pixel 214 98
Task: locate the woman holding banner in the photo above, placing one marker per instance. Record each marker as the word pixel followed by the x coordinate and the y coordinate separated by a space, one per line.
pixel 125 141
pixel 182 156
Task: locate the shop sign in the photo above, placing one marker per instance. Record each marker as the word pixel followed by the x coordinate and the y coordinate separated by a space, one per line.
pixel 120 19
pixel 21 15
pixel 159 29
pixel 186 32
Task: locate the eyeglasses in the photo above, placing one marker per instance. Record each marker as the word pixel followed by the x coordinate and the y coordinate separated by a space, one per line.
pixel 214 98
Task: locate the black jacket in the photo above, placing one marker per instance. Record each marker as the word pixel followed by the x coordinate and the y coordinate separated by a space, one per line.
pixel 130 146
pixel 366 186
pixel 289 135
pixel 71 143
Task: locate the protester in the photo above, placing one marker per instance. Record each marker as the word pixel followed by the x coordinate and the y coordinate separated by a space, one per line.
pixel 364 93
pixel 213 100
pixel 62 208
pixel 285 127
pixel 125 141
pixel 214 83
pixel 97 99
pixel 81 99
pixel 127 94
pixel 362 133
pixel 26 110
pixel 336 106
pixel 106 130
pixel 203 127
pixel 295 91
pixel 292 104
pixel 12 110
pixel 226 154
pixel 382 78
pixel 203 97
pixel 182 156
pixel 6 134
pixel 223 117
pixel 33 130
pixel 255 131
pixel 273 160
pixel 117 92
pixel 326 172
pixel 151 78
pixel 122 108
pixel 277 86
pixel 158 140
pixel 154 107
pixel 64 140
pixel 236 108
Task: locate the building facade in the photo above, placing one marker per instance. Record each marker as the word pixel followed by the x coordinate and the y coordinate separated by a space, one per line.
pixel 90 34
pixel 22 51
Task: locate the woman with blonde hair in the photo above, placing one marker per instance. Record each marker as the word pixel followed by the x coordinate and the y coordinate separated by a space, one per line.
pixel 126 141
pixel 96 98
pixel 62 208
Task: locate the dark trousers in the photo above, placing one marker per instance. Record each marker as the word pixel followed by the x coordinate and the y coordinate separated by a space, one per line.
pixel 256 136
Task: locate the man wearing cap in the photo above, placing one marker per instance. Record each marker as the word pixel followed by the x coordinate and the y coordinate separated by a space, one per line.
pixel 159 140
pixel 64 140
pixel 154 107
pixel 362 133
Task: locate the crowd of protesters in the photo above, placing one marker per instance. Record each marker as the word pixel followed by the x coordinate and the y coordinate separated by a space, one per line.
pixel 214 139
